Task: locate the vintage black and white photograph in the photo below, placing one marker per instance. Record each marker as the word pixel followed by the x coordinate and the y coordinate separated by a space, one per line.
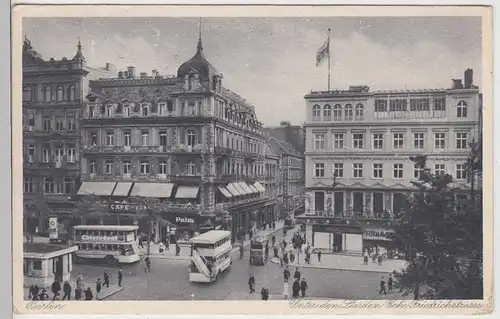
pixel 252 158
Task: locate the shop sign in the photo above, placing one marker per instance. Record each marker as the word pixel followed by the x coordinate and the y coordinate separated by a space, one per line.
pixel 379 234
pixel 126 207
pixel 53 233
pixel 101 238
pixel 184 220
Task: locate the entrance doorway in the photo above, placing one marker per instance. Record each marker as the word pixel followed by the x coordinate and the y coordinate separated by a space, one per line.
pixel 338 203
pixel 358 202
pixel 378 203
pixel 57 268
pixel 337 242
pixel 319 201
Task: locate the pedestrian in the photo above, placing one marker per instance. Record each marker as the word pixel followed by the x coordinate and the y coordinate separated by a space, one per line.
pixel 389 283
pixel 120 276
pixel 274 225
pixel 380 260
pixel 374 258
pixel 177 249
pixel 281 260
pixel 43 295
pixel 79 281
pixel 264 293
pixel 147 263
pixel 97 287
pixel 319 256
pixel 273 240
pixel 251 283
pixel 78 293
pixel 303 287
pixel 55 288
pixel 88 294
pixel 161 247
pixel 66 290
pixel 296 275
pixel 106 278
pixel 365 258
pixel 285 258
pixel 286 274
pixel 167 243
pixel 36 291
pixel 292 257
pixel 382 287
pixel 267 251
pixel 31 291
pixel 275 248
pixel 296 288
pixel 285 289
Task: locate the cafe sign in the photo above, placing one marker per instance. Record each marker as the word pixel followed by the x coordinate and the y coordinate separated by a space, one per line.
pixel 101 238
pixel 184 220
pixel 379 234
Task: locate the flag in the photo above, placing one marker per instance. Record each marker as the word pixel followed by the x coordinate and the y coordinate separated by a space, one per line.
pixel 323 52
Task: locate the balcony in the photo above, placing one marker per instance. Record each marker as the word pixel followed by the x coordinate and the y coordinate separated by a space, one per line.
pixel 410 115
pixel 185 178
pixel 51 165
pixel 350 215
pixel 219 150
pixel 30 131
pixel 226 178
pixel 177 149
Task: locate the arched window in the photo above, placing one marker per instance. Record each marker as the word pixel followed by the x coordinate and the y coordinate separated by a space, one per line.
pixel 59 93
pixel 462 109
pixel 348 112
pixel 91 111
pixel 48 94
pixel 49 185
pixel 71 92
pixel 359 111
pixel 337 112
pixel 191 82
pixel 316 113
pixel 27 93
pixel 327 112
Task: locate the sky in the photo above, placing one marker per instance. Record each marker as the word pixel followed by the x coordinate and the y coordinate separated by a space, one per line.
pixel 271 62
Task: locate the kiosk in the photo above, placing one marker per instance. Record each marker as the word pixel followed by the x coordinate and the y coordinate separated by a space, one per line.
pixel 43 263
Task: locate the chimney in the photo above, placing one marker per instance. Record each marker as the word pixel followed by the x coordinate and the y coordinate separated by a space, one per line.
pixel 120 75
pixel 457 84
pixel 468 78
pixel 131 72
pixel 143 75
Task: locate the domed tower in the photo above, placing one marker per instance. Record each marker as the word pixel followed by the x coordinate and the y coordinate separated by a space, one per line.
pixel 197 72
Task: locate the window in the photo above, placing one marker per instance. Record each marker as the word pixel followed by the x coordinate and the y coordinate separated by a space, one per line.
pixel 439 141
pixel 191 108
pixel 48 94
pixel 398 170
pixel 31 153
pixel 71 122
pixel 462 109
pixel 439 103
pixel 109 110
pixel 378 170
pixel 419 104
pixel 191 82
pixel 27 93
pixel 49 185
pixel 71 153
pixel 59 93
pixel 357 141
pixel 190 168
pixel 337 112
pixel 71 93
pixel 126 110
pixel 170 106
pixel 461 171
pixel 31 119
pixel 145 138
pixel 338 141
pixel 319 170
pixel 144 109
pixel 319 141
pixel 127 167
pixel 439 169
pixel 378 141
pixel 348 112
pixel 418 140
pixel 91 111
pixel 59 187
pixel 162 107
pixel 327 113
pixel 338 169
pixel 46 153
pixel 59 124
pixel 92 167
pixel 127 140
pixel 316 113
pixel 163 138
pixel 93 138
pixel 59 152
pixel 359 111
pixel 109 167
pixel 380 105
pixel 47 124
pixel 69 185
pixel 163 167
pixel 398 105
pixel 358 170
pixel 28 185
pixel 417 171
pixel 191 137
pixel 144 167
pixel 398 140
pixel 461 141
pixel 110 138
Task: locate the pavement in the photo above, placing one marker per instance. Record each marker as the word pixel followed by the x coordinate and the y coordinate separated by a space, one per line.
pixel 105 292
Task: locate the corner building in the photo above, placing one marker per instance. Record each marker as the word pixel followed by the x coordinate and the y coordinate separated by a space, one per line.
pixel 358 148
pixel 184 139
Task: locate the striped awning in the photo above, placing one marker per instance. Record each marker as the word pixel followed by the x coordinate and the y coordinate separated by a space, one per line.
pixel 224 192
pixel 246 188
pixel 187 192
pixel 259 187
pixel 235 192
pixel 255 190
pixel 158 190
pixel 96 188
pixel 122 189
pixel 239 188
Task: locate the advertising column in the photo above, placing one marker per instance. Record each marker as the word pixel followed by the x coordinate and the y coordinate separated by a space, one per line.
pixel 53 232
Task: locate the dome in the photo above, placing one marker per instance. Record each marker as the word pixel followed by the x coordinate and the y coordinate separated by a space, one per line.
pixel 199 64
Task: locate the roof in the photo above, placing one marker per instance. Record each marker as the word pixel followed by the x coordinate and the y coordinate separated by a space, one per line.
pixel 210 237
pixel 148 92
pixel 285 147
pixel 42 248
pixel 272 150
pixel 199 64
pixel 106 227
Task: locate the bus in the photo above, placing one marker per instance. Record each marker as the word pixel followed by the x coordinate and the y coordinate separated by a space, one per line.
pixel 112 243
pixel 211 255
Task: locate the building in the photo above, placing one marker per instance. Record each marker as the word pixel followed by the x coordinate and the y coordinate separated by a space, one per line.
pixel 185 140
pixel 53 93
pixel 292 178
pixel 358 148
pixel 292 134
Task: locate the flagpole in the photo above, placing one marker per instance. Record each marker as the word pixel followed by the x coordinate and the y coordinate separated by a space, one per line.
pixel 328 59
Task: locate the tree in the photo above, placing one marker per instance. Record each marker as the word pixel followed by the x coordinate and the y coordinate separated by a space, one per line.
pixel 90 205
pixel 442 242
pixel 34 207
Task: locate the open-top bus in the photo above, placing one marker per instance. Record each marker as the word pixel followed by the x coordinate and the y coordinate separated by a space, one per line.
pixel 112 243
pixel 211 255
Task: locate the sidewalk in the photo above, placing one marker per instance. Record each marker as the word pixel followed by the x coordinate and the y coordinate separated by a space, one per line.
pixel 346 262
pixel 105 292
pixel 240 295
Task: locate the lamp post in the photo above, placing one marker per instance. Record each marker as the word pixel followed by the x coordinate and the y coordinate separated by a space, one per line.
pixel 334 186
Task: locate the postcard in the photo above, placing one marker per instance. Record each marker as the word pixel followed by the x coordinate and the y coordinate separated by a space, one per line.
pixel 252 159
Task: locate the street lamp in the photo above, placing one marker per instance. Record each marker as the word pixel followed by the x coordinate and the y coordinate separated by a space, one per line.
pixel 334 186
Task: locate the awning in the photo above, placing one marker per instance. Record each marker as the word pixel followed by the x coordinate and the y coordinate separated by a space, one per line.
pixel 187 192
pixel 246 188
pixel 255 190
pixel 239 188
pixel 122 189
pixel 235 192
pixel 259 187
pixel 158 190
pixel 224 192
pixel 96 188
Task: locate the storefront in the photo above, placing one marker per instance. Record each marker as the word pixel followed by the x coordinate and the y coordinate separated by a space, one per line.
pixel 379 240
pixel 182 226
pixel 337 238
